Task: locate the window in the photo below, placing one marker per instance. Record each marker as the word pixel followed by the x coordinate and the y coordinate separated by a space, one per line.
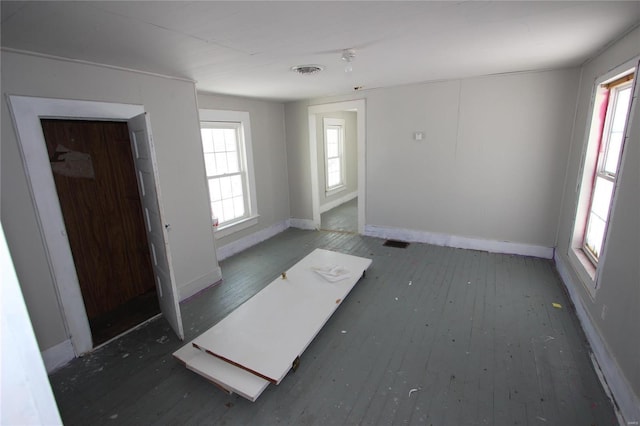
pixel 602 158
pixel 228 165
pixel 616 107
pixel 334 154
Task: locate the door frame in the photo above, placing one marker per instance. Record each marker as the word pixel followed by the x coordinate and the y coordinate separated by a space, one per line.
pixel 359 106
pixel 26 114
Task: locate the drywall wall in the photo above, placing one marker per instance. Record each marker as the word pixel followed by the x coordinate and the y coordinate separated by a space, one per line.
pixel 488 168
pixel 350 157
pixel 269 157
pixel 172 108
pixel 619 285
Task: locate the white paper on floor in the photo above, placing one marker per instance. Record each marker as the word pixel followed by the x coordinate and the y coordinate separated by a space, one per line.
pixel 332 273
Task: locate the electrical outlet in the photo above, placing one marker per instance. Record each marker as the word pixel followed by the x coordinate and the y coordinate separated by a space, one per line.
pixel 603 314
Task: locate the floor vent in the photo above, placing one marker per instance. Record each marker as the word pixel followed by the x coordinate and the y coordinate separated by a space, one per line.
pixel 396 244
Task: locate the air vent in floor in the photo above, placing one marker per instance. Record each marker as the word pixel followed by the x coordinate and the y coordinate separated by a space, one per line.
pixel 395 244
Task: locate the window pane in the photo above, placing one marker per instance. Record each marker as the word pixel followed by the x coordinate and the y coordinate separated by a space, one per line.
pixel 214 190
pixel 221 163
pixel 216 208
pixel 620 114
pixel 207 140
pixel 225 187
pixel 602 198
pixel 613 153
pixel 230 136
pixel 227 206
pixel 210 164
pixel 595 235
pixel 334 165
pixel 218 139
pixel 232 162
pixel 333 179
pixel 238 206
pixel 236 185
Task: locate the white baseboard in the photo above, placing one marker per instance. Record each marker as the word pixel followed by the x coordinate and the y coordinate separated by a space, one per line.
pixel 458 242
pixel 250 240
pixel 627 402
pixel 58 355
pixel 199 284
pixel 305 224
pixel 338 201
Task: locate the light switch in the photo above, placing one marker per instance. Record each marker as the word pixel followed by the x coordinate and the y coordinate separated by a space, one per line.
pixel 418 136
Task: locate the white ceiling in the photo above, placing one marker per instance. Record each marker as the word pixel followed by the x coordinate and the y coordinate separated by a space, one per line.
pixel 247 48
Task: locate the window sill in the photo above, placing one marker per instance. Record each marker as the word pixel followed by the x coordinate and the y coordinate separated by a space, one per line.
pixel 334 191
pixel 584 268
pixel 237 226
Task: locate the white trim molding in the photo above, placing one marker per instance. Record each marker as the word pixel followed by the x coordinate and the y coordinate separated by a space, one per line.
pixel 58 355
pixel 244 243
pixel 338 201
pixel 459 242
pixel 199 284
pixel 625 400
pixel 306 224
pixel 26 112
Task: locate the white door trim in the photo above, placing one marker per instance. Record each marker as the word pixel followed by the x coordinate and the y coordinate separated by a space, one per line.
pixel 26 113
pixel 359 107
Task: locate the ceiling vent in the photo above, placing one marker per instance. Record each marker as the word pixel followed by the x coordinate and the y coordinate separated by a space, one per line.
pixel 307 69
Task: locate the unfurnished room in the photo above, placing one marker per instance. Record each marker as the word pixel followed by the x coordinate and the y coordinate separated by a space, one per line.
pixel 320 212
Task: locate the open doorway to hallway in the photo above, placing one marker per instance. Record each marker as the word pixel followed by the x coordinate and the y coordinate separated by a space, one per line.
pixel 343 218
pixel 337 148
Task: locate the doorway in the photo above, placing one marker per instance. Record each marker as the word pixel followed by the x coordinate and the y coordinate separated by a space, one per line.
pixel 26 112
pixel 351 202
pixel 95 179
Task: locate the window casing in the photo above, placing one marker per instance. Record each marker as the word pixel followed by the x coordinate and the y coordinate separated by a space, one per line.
pixel 602 159
pixel 226 145
pixel 334 154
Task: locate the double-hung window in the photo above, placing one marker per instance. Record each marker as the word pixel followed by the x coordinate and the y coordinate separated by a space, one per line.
pixel 602 159
pixel 226 146
pixel 334 154
pixel 616 109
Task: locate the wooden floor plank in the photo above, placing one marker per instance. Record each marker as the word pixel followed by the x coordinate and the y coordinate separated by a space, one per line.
pixel 495 306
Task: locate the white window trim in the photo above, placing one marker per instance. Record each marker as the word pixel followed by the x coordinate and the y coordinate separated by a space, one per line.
pixel 588 273
pixel 243 118
pixel 343 186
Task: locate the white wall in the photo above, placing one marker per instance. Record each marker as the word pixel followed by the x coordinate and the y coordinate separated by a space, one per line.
pixel 616 337
pixel 488 168
pixel 172 108
pixel 351 157
pixel 25 392
pixel 270 165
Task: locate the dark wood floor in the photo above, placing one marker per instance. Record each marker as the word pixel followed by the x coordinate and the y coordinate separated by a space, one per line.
pixel 432 335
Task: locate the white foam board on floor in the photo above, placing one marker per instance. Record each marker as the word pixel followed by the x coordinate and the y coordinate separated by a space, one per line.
pixel 269 331
pixel 230 378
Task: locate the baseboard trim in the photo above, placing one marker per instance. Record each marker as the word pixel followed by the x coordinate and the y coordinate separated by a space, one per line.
pixel 199 284
pixel 58 355
pixel 250 240
pixel 305 224
pixel 625 400
pixel 338 201
pixel 458 242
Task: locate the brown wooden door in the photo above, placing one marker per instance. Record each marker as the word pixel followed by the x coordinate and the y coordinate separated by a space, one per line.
pixel 95 178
